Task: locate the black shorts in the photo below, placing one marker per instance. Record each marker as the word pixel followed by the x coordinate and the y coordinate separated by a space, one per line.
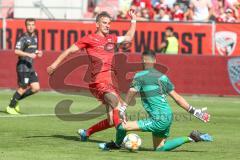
pixel 26 78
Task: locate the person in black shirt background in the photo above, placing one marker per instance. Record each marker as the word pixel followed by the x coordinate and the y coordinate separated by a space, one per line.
pixel 26 49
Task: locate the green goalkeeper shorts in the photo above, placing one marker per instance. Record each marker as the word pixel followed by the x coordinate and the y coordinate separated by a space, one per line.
pixel 159 127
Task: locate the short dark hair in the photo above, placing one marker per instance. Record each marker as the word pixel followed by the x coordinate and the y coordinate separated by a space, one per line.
pixel 103 14
pixel 169 28
pixel 29 20
pixel 150 53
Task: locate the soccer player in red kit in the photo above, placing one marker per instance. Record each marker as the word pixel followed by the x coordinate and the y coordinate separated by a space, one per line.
pixel 103 78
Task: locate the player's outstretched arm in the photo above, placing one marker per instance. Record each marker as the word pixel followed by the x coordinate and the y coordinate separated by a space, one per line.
pixel 179 100
pixel 130 95
pixel 61 57
pixel 130 34
pixel 198 113
pixel 129 98
pixel 24 54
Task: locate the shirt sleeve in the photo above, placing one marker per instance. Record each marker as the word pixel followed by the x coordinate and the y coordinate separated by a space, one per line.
pixel 120 39
pixel 165 84
pixel 136 83
pixel 20 43
pixel 83 42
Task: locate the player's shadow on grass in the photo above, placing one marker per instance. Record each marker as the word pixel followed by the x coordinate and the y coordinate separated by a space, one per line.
pixel 150 149
pixel 3 112
pixel 73 138
pixel 65 137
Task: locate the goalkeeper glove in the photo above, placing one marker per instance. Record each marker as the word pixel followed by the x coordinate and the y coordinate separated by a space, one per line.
pixel 122 112
pixel 200 113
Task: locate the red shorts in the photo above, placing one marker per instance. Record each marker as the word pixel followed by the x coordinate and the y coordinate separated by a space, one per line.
pixel 99 89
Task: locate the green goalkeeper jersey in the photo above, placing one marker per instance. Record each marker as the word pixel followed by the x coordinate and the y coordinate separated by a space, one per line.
pixel 153 87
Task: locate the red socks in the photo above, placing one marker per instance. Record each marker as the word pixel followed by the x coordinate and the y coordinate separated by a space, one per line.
pixel 116 117
pixel 102 125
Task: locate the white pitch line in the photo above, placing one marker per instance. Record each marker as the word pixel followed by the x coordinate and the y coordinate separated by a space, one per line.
pixel 27 115
pixel 44 115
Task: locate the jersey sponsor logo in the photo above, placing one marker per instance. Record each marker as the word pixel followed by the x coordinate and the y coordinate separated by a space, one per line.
pixel 109 46
pixel 234 73
pixel 32 46
pixel 226 42
pixel 28 41
pixel 124 46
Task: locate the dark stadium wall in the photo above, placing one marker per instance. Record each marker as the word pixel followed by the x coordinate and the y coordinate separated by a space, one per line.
pixel 194 38
pixel 215 75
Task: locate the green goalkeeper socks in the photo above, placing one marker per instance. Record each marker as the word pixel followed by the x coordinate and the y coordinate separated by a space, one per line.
pixel 174 143
pixel 121 133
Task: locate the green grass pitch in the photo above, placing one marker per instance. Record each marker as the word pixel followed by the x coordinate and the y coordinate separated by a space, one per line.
pixel 39 135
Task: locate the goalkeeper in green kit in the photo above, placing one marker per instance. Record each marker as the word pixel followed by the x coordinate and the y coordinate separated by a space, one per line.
pixel 153 87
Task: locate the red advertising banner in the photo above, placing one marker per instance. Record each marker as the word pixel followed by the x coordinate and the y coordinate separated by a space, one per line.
pixel 213 75
pixel 194 38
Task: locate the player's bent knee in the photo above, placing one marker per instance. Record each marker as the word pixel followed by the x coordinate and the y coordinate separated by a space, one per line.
pixel 110 121
pixel 23 87
pixel 21 90
pixel 35 89
pixel 111 100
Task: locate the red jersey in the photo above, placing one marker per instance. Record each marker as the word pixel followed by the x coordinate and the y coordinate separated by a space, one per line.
pixel 142 3
pixel 100 58
pixel 178 15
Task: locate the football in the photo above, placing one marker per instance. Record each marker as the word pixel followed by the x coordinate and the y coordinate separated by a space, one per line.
pixel 132 142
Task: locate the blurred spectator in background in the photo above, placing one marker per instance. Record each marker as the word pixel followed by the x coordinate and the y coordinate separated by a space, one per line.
pixel 91 5
pixel 177 13
pixel 237 8
pixel 202 9
pixel 176 10
pixel 160 4
pixel 170 3
pixel 142 3
pixel 170 43
pixel 230 3
pixel 146 14
pixel 96 11
pixel 230 16
pixel 162 15
pixel 122 15
pixel 124 6
pixel 184 4
pixel 218 10
pixel 141 13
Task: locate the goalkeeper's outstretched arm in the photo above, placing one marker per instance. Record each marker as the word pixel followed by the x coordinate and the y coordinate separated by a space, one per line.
pixel 198 113
pixel 179 100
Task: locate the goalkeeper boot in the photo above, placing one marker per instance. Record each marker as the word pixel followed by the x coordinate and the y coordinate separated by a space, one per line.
pixel 108 146
pixel 11 110
pixel 83 135
pixel 197 136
